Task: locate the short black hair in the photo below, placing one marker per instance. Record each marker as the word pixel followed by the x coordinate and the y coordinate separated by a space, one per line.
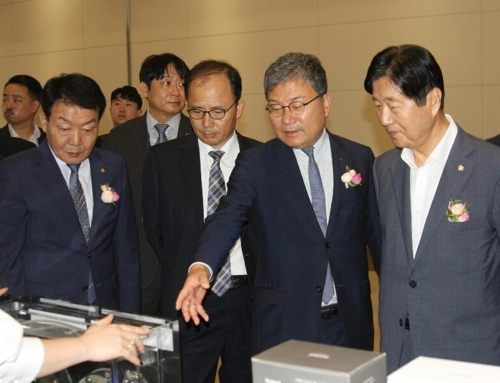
pixel 34 87
pixel 412 68
pixel 127 92
pixel 154 67
pixel 207 68
pixel 73 89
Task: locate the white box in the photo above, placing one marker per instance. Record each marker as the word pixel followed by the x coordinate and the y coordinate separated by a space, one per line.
pixel 434 370
pixel 305 362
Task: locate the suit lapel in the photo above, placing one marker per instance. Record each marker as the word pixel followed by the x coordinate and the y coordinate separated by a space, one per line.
pixel 401 184
pixel 450 186
pixel 53 182
pixel 189 163
pixel 289 174
pixel 141 137
pixel 340 159
pixel 99 177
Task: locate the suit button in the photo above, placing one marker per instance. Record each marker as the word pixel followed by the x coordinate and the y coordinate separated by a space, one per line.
pixel 401 322
pixel 327 245
pixel 412 284
pixel 319 289
pixel 90 254
pixel 85 288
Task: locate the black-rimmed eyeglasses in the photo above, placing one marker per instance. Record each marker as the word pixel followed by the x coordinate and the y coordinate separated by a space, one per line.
pixel 215 114
pixel 296 107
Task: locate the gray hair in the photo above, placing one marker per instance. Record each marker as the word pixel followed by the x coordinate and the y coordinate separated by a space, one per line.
pixel 292 66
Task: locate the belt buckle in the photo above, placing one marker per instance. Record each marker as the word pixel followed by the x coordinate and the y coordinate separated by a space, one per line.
pixel 329 312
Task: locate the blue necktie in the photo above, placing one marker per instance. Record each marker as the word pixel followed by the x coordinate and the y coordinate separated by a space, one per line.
pixel 319 206
pixel 162 137
pixel 76 191
pixel 216 189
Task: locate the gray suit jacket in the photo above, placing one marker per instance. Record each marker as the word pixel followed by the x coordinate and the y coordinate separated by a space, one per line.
pixel 451 290
pixel 131 140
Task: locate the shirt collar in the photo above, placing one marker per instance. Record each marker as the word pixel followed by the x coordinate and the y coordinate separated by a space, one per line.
pixel 230 148
pixel 441 151
pixel 151 121
pixel 319 146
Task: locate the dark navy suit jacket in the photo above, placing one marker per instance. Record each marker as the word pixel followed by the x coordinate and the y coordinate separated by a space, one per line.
pixel 42 248
pixel 266 188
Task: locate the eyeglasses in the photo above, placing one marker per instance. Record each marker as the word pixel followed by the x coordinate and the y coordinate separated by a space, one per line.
pixel 296 107
pixel 215 114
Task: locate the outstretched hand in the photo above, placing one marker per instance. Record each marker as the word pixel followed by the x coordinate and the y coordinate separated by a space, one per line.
pixel 105 341
pixel 192 294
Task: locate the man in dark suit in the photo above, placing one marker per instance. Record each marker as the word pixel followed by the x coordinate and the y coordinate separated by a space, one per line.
pixel 162 83
pixel 12 145
pixel 67 224
pixel 311 280
pixel 176 200
pixel 439 201
pixel 21 101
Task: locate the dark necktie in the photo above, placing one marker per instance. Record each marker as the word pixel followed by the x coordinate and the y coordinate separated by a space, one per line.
pixel 319 206
pixel 161 129
pixel 216 189
pixel 76 191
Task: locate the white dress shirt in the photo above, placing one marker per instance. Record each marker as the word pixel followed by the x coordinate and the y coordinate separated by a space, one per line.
pixel 34 137
pixel 231 150
pixel 21 357
pixel 424 180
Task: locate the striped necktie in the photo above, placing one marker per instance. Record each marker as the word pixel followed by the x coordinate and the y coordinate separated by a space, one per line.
pixel 319 206
pixel 216 189
pixel 161 129
pixel 76 191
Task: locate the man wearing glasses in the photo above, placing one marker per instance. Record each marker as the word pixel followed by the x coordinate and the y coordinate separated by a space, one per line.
pixel 183 181
pixel 309 196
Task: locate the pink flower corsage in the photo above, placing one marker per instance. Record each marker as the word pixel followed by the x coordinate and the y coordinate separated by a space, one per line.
pixel 350 178
pixel 458 211
pixel 109 195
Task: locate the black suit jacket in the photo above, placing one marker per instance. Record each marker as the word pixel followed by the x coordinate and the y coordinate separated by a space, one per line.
pixel 5 132
pixel 131 140
pixel 12 145
pixel 42 247
pixel 267 188
pixel 173 211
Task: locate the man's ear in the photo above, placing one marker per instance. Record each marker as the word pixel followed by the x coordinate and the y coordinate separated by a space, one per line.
pixel 43 121
pixel 434 100
pixel 144 89
pixel 35 106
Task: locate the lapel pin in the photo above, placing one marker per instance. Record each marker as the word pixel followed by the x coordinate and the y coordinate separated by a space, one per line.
pixel 103 170
pixel 461 168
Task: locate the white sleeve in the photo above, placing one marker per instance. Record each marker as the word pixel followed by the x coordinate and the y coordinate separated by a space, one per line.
pixel 20 358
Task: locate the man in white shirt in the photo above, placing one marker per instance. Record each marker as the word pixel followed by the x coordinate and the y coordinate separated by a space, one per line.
pixel 439 200
pixel 179 191
pixel 20 104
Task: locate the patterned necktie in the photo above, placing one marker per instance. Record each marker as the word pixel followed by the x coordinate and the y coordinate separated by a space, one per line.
pixel 319 206
pixel 76 191
pixel 162 137
pixel 216 189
